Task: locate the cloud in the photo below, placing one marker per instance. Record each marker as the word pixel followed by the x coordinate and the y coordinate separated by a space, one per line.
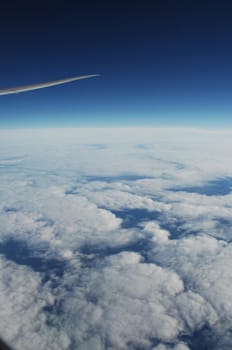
pixel 23 299
pixel 203 262
pixel 179 346
pixel 126 302
pixel 88 279
pixel 158 234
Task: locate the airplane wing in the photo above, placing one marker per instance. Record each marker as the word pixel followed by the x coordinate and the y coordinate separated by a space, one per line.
pixel 18 89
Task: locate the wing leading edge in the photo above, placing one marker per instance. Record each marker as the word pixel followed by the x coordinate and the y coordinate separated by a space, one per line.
pixel 24 88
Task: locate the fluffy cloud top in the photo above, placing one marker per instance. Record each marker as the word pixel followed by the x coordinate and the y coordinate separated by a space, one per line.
pixel 74 276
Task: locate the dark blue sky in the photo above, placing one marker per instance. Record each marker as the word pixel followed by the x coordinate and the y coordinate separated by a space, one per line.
pixel 162 62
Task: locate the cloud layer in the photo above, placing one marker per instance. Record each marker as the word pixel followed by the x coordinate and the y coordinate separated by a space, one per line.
pixel 110 239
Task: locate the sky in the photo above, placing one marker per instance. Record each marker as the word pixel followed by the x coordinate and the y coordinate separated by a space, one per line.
pixel 162 63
